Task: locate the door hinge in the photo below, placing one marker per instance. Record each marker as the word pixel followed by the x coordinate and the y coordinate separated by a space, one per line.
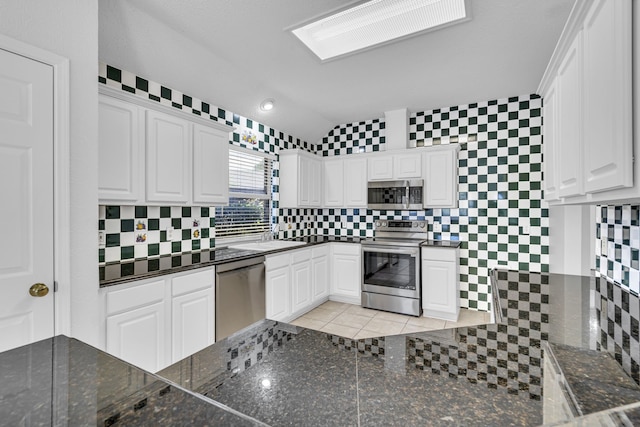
pixel 55 286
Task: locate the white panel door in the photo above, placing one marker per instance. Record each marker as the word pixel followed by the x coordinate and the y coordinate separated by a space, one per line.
pixel 315 183
pixel 192 320
pixel 569 148
pixel 407 166
pixel 120 151
pixel 277 290
pixel 355 183
pixel 440 183
pixel 607 106
pixel 138 336
pixel 380 167
pixel 346 270
pixel 320 272
pixel 168 158
pixel 549 142
pixel 304 188
pixel 301 286
pixel 333 183
pixel 438 286
pixel 210 166
pixel 26 194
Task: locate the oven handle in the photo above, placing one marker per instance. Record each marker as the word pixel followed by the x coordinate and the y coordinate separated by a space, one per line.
pixel 388 250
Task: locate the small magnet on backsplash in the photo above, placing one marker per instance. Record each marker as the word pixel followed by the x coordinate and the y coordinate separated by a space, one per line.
pixel 196 234
pixel 141 238
pixel 196 223
pixel 141 225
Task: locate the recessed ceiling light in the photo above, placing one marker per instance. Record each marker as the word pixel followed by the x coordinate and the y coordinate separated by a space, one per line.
pixel 377 22
pixel 267 104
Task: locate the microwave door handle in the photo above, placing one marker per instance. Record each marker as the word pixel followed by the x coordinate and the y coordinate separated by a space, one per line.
pixel 406 195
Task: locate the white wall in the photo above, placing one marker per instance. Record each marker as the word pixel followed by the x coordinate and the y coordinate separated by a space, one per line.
pixel 69 28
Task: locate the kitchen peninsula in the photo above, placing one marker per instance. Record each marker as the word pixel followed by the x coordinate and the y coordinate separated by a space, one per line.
pixel 276 374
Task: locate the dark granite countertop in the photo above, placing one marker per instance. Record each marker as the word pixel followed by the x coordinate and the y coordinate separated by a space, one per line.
pixel 128 271
pixel 442 243
pixel 279 374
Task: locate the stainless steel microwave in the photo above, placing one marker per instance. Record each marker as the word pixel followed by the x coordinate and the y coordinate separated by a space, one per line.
pixel 402 194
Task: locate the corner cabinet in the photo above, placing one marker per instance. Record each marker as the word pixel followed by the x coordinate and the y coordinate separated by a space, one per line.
pixel 346 272
pixel 345 182
pixel 588 90
pixel 440 283
pixel 150 153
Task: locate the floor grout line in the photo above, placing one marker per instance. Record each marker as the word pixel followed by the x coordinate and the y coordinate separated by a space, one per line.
pixel 357 389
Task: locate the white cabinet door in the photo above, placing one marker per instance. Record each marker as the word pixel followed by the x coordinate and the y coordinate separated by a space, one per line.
pixel 380 167
pixel 440 284
pixel 346 269
pixel 320 272
pixel 569 86
pixel 315 183
pixel 407 166
pixel 607 104
pixel 277 291
pixel 301 286
pixel 550 142
pixel 440 177
pixel 192 313
pixel 138 336
pixel 355 183
pixel 210 166
pixel 333 183
pixel 168 158
pixel 120 151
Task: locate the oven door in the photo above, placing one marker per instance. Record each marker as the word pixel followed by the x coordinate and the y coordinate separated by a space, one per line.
pixel 391 270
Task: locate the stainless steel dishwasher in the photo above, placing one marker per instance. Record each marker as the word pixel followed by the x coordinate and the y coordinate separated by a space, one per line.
pixel 240 295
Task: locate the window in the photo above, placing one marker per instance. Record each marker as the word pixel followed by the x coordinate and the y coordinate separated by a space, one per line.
pixel 249 209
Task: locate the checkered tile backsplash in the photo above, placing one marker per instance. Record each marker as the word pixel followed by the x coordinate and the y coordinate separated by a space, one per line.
pixel 500 185
pixel 135 232
pixel 618 227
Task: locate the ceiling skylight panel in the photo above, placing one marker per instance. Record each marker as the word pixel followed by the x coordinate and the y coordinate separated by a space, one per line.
pixel 377 22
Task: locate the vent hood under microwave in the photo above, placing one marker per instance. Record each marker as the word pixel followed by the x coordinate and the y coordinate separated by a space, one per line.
pixel 403 194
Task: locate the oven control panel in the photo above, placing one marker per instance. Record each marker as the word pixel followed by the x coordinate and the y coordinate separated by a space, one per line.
pixel 419 226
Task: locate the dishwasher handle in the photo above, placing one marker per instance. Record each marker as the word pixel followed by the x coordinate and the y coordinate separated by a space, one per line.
pixel 236 265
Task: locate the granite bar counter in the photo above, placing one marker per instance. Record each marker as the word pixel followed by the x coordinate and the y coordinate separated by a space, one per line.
pixel 279 374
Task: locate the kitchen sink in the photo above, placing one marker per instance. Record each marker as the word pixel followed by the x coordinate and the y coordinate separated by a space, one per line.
pixel 268 245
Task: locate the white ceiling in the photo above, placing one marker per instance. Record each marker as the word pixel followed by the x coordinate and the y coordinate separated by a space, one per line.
pixel 235 53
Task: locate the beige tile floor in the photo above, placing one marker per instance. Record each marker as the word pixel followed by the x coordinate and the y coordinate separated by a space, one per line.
pixel 353 321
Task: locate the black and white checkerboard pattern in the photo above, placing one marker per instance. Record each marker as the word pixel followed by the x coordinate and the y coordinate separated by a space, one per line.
pixel 124 225
pixel 500 189
pixel 506 355
pixel 358 137
pixel 246 350
pixel 619 330
pixel 619 228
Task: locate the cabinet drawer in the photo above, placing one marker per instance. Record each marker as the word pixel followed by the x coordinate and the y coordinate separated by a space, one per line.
pixel 135 296
pixel 192 282
pixel 439 254
pixel 301 256
pixel 322 250
pixel 276 261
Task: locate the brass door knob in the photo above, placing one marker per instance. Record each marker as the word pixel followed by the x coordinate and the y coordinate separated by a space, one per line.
pixel 38 290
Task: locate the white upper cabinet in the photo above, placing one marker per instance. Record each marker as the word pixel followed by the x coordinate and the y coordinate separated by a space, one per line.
pixel 569 83
pixel 355 182
pixel 149 153
pixel 549 141
pixel 406 166
pixel 210 166
pixel 300 179
pixel 120 151
pixel 380 167
pixel 168 158
pixel 333 183
pixel 440 176
pixel 607 96
pixel 588 92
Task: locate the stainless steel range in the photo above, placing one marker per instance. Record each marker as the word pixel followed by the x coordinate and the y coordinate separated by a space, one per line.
pixel 391 267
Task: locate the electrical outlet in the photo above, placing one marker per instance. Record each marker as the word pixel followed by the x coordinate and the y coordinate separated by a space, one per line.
pixel 101 242
pixel 170 234
pixel 604 247
pixel 437 227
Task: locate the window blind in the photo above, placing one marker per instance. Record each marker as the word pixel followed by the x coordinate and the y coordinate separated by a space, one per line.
pixel 249 209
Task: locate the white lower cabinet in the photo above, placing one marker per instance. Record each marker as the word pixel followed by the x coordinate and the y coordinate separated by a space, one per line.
pixel 440 283
pixel 299 280
pixel 155 323
pixel 346 276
